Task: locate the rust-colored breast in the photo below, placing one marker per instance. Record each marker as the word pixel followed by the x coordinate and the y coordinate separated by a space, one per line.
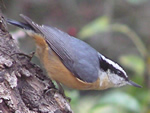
pixel 56 70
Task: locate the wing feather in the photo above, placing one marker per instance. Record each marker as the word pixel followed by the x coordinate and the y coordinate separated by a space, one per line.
pixel 80 58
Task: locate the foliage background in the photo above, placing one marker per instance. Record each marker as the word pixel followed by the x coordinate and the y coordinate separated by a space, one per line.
pixel 119 29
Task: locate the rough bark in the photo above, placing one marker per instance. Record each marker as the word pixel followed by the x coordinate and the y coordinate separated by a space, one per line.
pixel 23 86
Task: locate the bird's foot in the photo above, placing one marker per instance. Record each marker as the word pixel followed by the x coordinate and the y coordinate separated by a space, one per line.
pixel 30 56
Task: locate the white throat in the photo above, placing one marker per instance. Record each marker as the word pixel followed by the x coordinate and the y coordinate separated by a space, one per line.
pixel 115 79
pixel 108 79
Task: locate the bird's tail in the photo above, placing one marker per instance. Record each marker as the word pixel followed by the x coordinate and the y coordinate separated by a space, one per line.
pixel 19 24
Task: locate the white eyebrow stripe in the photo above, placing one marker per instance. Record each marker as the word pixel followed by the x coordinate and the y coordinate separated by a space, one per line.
pixel 114 64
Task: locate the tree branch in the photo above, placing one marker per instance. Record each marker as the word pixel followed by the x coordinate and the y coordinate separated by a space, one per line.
pixel 22 83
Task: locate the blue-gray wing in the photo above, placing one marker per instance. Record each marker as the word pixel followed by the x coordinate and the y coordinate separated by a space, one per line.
pixel 80 58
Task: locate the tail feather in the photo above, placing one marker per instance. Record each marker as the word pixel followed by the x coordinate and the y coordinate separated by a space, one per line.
pixel 20 24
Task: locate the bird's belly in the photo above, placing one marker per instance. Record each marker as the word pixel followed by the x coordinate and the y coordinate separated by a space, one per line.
pixel 58 72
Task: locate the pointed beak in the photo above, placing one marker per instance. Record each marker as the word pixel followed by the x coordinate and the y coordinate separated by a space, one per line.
pixel 134 84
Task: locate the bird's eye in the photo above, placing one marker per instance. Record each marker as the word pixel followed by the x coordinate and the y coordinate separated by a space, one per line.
pixel 118 72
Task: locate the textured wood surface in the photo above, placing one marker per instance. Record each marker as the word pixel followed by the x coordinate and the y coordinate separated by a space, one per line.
pixel 23 86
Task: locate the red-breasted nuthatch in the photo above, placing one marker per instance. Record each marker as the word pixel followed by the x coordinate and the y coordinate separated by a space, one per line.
pixel 71 61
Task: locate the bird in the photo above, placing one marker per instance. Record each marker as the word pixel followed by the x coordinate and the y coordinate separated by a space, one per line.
pixel 71 61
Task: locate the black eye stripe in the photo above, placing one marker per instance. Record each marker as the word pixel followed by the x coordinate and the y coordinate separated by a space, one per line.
pixel 121 74
pixel 105 66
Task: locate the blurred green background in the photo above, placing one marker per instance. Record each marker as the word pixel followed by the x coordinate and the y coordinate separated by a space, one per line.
pixel 119 29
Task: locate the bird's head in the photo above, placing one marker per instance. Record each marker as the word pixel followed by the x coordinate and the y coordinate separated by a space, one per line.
pixel 116 75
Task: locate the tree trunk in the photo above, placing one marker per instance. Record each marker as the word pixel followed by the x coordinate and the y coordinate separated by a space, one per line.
pixel 23 86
